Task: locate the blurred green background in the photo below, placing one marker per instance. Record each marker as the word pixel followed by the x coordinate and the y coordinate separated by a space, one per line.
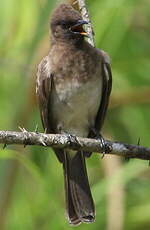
pixel 31 178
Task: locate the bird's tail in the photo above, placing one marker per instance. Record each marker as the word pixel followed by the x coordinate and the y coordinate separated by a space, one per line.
pixel 80 205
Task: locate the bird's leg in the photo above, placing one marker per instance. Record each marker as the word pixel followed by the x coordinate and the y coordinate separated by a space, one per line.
pixel 99 137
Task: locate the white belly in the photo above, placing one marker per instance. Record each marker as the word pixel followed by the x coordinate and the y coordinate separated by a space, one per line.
pixel 76 107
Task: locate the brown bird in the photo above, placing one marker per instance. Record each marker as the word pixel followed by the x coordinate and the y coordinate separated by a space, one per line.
pixel 73 88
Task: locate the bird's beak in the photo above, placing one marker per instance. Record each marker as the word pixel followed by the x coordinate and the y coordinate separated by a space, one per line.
pixel 78 28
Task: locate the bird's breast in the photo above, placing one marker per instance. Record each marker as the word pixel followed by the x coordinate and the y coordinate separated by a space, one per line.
pixel 77 90
pixel 75 105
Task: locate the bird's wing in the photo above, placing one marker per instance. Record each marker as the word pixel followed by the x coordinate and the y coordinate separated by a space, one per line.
pixel 106 90
pixel 44 85
pixel 43 91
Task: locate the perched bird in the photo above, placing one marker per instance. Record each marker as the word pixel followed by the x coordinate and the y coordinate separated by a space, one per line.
pixel 73 88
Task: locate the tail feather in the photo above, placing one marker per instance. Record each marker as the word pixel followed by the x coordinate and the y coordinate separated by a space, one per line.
pixel 72 216
pixel 80 205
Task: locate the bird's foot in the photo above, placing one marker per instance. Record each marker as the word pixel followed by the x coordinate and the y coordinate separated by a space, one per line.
pixel 72 139
pixel 103 145
pixel 98 136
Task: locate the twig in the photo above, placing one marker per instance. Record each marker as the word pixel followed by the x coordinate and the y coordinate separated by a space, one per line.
pixel 84 144
pixel 85 16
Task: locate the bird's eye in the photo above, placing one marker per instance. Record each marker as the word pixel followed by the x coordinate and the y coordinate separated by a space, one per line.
pixel 64 24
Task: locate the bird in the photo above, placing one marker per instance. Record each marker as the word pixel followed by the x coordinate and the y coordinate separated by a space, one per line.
pixel 73 87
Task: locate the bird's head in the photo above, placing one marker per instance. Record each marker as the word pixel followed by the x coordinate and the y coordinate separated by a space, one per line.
pixel 67 24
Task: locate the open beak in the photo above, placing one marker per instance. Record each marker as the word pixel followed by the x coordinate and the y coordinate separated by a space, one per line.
pixel 78 28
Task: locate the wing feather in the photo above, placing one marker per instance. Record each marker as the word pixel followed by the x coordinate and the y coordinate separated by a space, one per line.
pixel 106 90
pixel 44 86
pixel 43 91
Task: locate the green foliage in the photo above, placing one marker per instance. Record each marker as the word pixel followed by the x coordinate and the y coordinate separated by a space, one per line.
pixel 32 197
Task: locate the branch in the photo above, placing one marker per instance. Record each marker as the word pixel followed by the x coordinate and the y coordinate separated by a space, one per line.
pixel 86 17
pixel 75 143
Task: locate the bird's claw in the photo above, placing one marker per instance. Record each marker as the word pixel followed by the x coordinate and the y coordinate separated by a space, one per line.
pixel 95 134
pixel 72 139
pixel 102 145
